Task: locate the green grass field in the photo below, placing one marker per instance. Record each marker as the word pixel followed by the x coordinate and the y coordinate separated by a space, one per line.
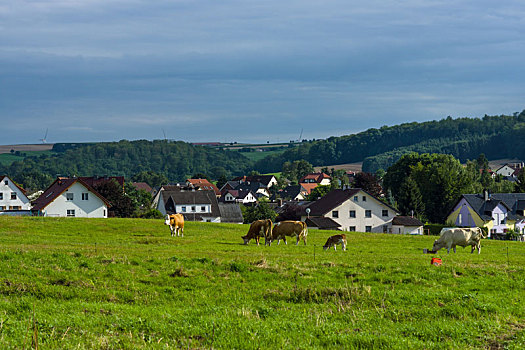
pixel 8 158
pixel 126 284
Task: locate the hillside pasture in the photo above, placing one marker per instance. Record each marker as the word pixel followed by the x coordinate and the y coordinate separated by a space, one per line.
pixel 126 283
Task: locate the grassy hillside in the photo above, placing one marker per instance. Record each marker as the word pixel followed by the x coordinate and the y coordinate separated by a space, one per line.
pixel 125 283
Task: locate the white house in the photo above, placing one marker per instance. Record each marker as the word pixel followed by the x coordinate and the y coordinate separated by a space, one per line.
pixel 71 197
pixel 354 210
pixel 407 225
pixel 195 205
pixel 12 196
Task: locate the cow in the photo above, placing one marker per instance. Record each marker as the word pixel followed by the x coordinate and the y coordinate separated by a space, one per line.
pixel 334 241
pixel 258 229
pixel 450 238
pixel 289 228
pixel 176 224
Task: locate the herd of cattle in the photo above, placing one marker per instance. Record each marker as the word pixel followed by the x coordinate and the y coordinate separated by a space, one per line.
pixel 449 238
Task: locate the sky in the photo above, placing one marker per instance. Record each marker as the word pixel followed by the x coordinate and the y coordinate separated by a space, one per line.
pixel 252 71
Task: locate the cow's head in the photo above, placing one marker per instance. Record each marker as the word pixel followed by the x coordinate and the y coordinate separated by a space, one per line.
pixel 325 247
pixel 246 239
pixel 438 245
pixel 167 220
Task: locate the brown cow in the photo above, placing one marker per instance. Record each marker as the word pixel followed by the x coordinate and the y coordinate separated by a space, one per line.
pixel 289 228
pixel 176 224
pixel 258 229
pixel 334 240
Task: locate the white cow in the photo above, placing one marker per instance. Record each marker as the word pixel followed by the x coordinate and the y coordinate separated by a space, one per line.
pixel 450 238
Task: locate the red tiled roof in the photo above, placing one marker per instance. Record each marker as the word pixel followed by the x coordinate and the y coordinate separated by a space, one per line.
pixel 142 186
pixel 204 185
pixel 308 187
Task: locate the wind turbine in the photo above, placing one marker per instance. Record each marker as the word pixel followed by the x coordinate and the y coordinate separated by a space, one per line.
pixel 45 137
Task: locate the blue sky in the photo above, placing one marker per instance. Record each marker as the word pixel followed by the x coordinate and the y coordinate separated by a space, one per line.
pixel 252 71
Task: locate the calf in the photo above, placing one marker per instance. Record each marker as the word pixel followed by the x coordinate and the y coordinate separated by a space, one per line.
pixel 334 240
pixel 462 237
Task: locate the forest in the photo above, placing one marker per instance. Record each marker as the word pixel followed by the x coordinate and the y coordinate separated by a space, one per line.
pixel 464 138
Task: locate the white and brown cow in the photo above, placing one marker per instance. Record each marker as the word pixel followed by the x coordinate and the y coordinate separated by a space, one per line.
pixel 334 240
pixel 450 238
pixel 289 228
pixel 176 224
pixel 258 229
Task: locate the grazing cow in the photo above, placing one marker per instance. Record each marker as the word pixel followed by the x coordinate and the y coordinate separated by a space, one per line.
pixel 334 240
pixel 463 237
pixel 289 228
pixel 176 224
pixel 258 229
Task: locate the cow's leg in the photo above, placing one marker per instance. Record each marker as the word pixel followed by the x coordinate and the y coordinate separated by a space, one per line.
pixel 473 249
pixel 257 239
pixel 335 247
pixel 182 231
pixel 344 246
pixel 454 249
pixel 284 239
pixel 479 247
pixel 298 239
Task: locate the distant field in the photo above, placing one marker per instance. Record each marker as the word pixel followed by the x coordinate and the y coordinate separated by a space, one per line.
pixel 8 158
pixel 255 156
pixel 125 283
pixel 24 148
pixel 357 167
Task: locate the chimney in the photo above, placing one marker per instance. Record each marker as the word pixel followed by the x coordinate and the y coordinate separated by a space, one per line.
pixel 486 195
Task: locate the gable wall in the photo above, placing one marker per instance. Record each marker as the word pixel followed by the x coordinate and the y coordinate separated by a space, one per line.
pixel 6 201
pixel 94 207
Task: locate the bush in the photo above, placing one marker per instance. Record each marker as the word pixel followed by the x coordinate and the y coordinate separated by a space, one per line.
pixel 152 214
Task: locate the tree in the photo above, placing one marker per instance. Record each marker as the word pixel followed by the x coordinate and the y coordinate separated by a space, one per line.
pixel 520 183
pixel 259 211
pixel 121 205
pixel 368 182
pixel 141 199
pixel 295 170
pixel 318 192
pixel 410 199
pixel 151 178
pixel 221 181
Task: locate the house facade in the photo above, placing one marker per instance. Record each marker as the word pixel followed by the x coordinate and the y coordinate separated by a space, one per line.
pixel 195 205
pixel 12 196
pixel 498 212
pixel 71 197
pixel 406 225
pixel 317 178
pixel 354 210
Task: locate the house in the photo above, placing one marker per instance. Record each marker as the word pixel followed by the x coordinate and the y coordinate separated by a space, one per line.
pixel 308 187
pixel 510 171
pixel 257 189
pixel 142 186
pixel 195 205
pixel 71 197
pixel 267 180
pixel 317 178
pixel 293 192
pixel 322 223
pixel 498 212
pixel 13 199
pixel 354 210
pixel 203 184
pixel 239 196
pixel 406 225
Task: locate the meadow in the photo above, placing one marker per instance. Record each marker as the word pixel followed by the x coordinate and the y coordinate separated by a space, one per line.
pixel 126 284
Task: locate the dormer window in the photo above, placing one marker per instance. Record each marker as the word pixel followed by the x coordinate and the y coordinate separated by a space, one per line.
pixel 6 182
pixel 13 195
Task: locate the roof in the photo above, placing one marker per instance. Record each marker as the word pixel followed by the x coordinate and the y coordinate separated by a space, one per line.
pixel 317 177
pixel 322 223
pixel 335 198
pixel 14 183
pixel 59 186
pixel 291 191
pixel 264 179
pixel 512 201
pixel 308 187
pixel 182 197
pixel 406 221
pixel 142 186
pixel 204 184
pixel 230 212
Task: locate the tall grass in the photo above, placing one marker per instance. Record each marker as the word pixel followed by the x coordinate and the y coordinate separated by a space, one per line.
pixel 126 283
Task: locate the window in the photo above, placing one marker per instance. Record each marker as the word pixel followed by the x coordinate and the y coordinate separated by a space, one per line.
pixel 13 195
pixel 368 213
pixel 85 196
pixel 203 208
pixel 352 213
pixel 2 207
pixel 193 208
pixel 6 182
pixel 368 228
pixel 69 196
pixel 351 228
pixel 335 214
pixel 183 209
pixel 384 212
pixel 356 199
pixel 364 198
pixel 15 207
pixel 1 196
pixel 71 212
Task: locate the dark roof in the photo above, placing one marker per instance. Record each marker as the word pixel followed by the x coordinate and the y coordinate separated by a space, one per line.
pixel 406 221
pixel 322 223
pixel 181 197
pixel 291 191
pixel 59 186
pixel 230 212
pixel 264 179
pixel 512 201
pixel 331 200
